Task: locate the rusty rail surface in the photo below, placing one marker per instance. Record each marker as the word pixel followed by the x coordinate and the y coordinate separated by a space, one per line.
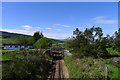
pixel 57 72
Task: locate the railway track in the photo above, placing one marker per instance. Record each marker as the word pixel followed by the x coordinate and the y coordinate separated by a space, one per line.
pixel 57 71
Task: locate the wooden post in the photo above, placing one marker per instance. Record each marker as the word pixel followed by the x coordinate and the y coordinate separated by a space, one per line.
pixel 106 72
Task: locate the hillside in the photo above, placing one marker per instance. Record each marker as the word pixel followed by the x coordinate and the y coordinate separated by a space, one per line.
pixel 9 35
pixel 9 38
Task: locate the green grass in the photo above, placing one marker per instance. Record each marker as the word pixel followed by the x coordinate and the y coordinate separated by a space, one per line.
pixel 114 71
pixel 9 56
pixel 73 69
pixel 83 69
pixel 113 52
pixel 98 68
pixel 9 50
pixel 8 40
pixel 15 50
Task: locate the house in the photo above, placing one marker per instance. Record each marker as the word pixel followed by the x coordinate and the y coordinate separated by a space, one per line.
pixel 17 46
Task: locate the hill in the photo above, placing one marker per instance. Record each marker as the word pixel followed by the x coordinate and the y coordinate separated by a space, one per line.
pixel 9 35
pixel 9 38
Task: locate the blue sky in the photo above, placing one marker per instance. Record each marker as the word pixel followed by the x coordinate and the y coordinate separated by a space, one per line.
pixel 60 0
pixel 58 20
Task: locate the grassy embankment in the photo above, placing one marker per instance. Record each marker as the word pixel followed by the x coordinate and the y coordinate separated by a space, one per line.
pixel 90 68
pixel 8 56
pixel 112 51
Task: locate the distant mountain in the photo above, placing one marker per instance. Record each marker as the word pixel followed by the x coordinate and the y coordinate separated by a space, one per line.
pixel 62 39
pixel 57 41
pixel 8 34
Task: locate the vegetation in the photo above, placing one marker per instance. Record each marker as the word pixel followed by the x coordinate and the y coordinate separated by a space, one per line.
pixel 32 66
pixel 8 40
pixel 9 56
pixel 91 68
pixel 23 39
pixel 113 51
pixel 85 68
pixel 16 50
pixel 90 51
pixel 43 43
pixel 114 71
pixel 91 43
pixel 9 35
pixel 37 35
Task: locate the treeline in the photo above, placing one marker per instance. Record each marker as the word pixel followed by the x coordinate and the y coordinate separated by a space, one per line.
pixel 91 43
pixel 23 39
pixel 29 40
pixel 37 40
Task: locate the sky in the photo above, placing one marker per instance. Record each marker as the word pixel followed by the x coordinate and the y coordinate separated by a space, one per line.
pixel 60 0
pixel 58 20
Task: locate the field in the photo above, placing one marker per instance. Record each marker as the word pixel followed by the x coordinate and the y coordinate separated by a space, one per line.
pixel 9 56
pixel 8 40
pixel 90 68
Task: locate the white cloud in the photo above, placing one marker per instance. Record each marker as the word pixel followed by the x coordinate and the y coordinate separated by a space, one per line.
pixel 22 31
pixel 57 36
pixel 26 26
pixel 103 20
pixel 79 28
pixel 29 30
pixel 58 29
pixel 34 29
pixel 62 25
pixel 48 28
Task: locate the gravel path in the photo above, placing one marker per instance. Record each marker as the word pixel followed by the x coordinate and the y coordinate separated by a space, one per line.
pixel 67 53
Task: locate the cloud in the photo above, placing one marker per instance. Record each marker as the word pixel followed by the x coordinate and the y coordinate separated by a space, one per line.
pixel 58 29
pixel 79 28
pixel 30 31
pixel 49 28
pixel 62 25
pixel 26 26
pixel 103 20
pixel 57 36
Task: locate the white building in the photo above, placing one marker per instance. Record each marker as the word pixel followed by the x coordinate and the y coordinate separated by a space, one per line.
pixel 17 46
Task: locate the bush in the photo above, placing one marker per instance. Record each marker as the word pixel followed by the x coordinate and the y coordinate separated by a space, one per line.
pixel 30 66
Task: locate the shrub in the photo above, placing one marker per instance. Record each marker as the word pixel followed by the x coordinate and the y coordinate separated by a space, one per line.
pixel 30 66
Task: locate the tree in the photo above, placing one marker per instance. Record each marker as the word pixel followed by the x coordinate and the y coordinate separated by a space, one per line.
pixel 22 40
pixel 117 40
pixel 43 43
pixel 88 43
pixel 37 35
pixel 31 40
pixel 99 33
